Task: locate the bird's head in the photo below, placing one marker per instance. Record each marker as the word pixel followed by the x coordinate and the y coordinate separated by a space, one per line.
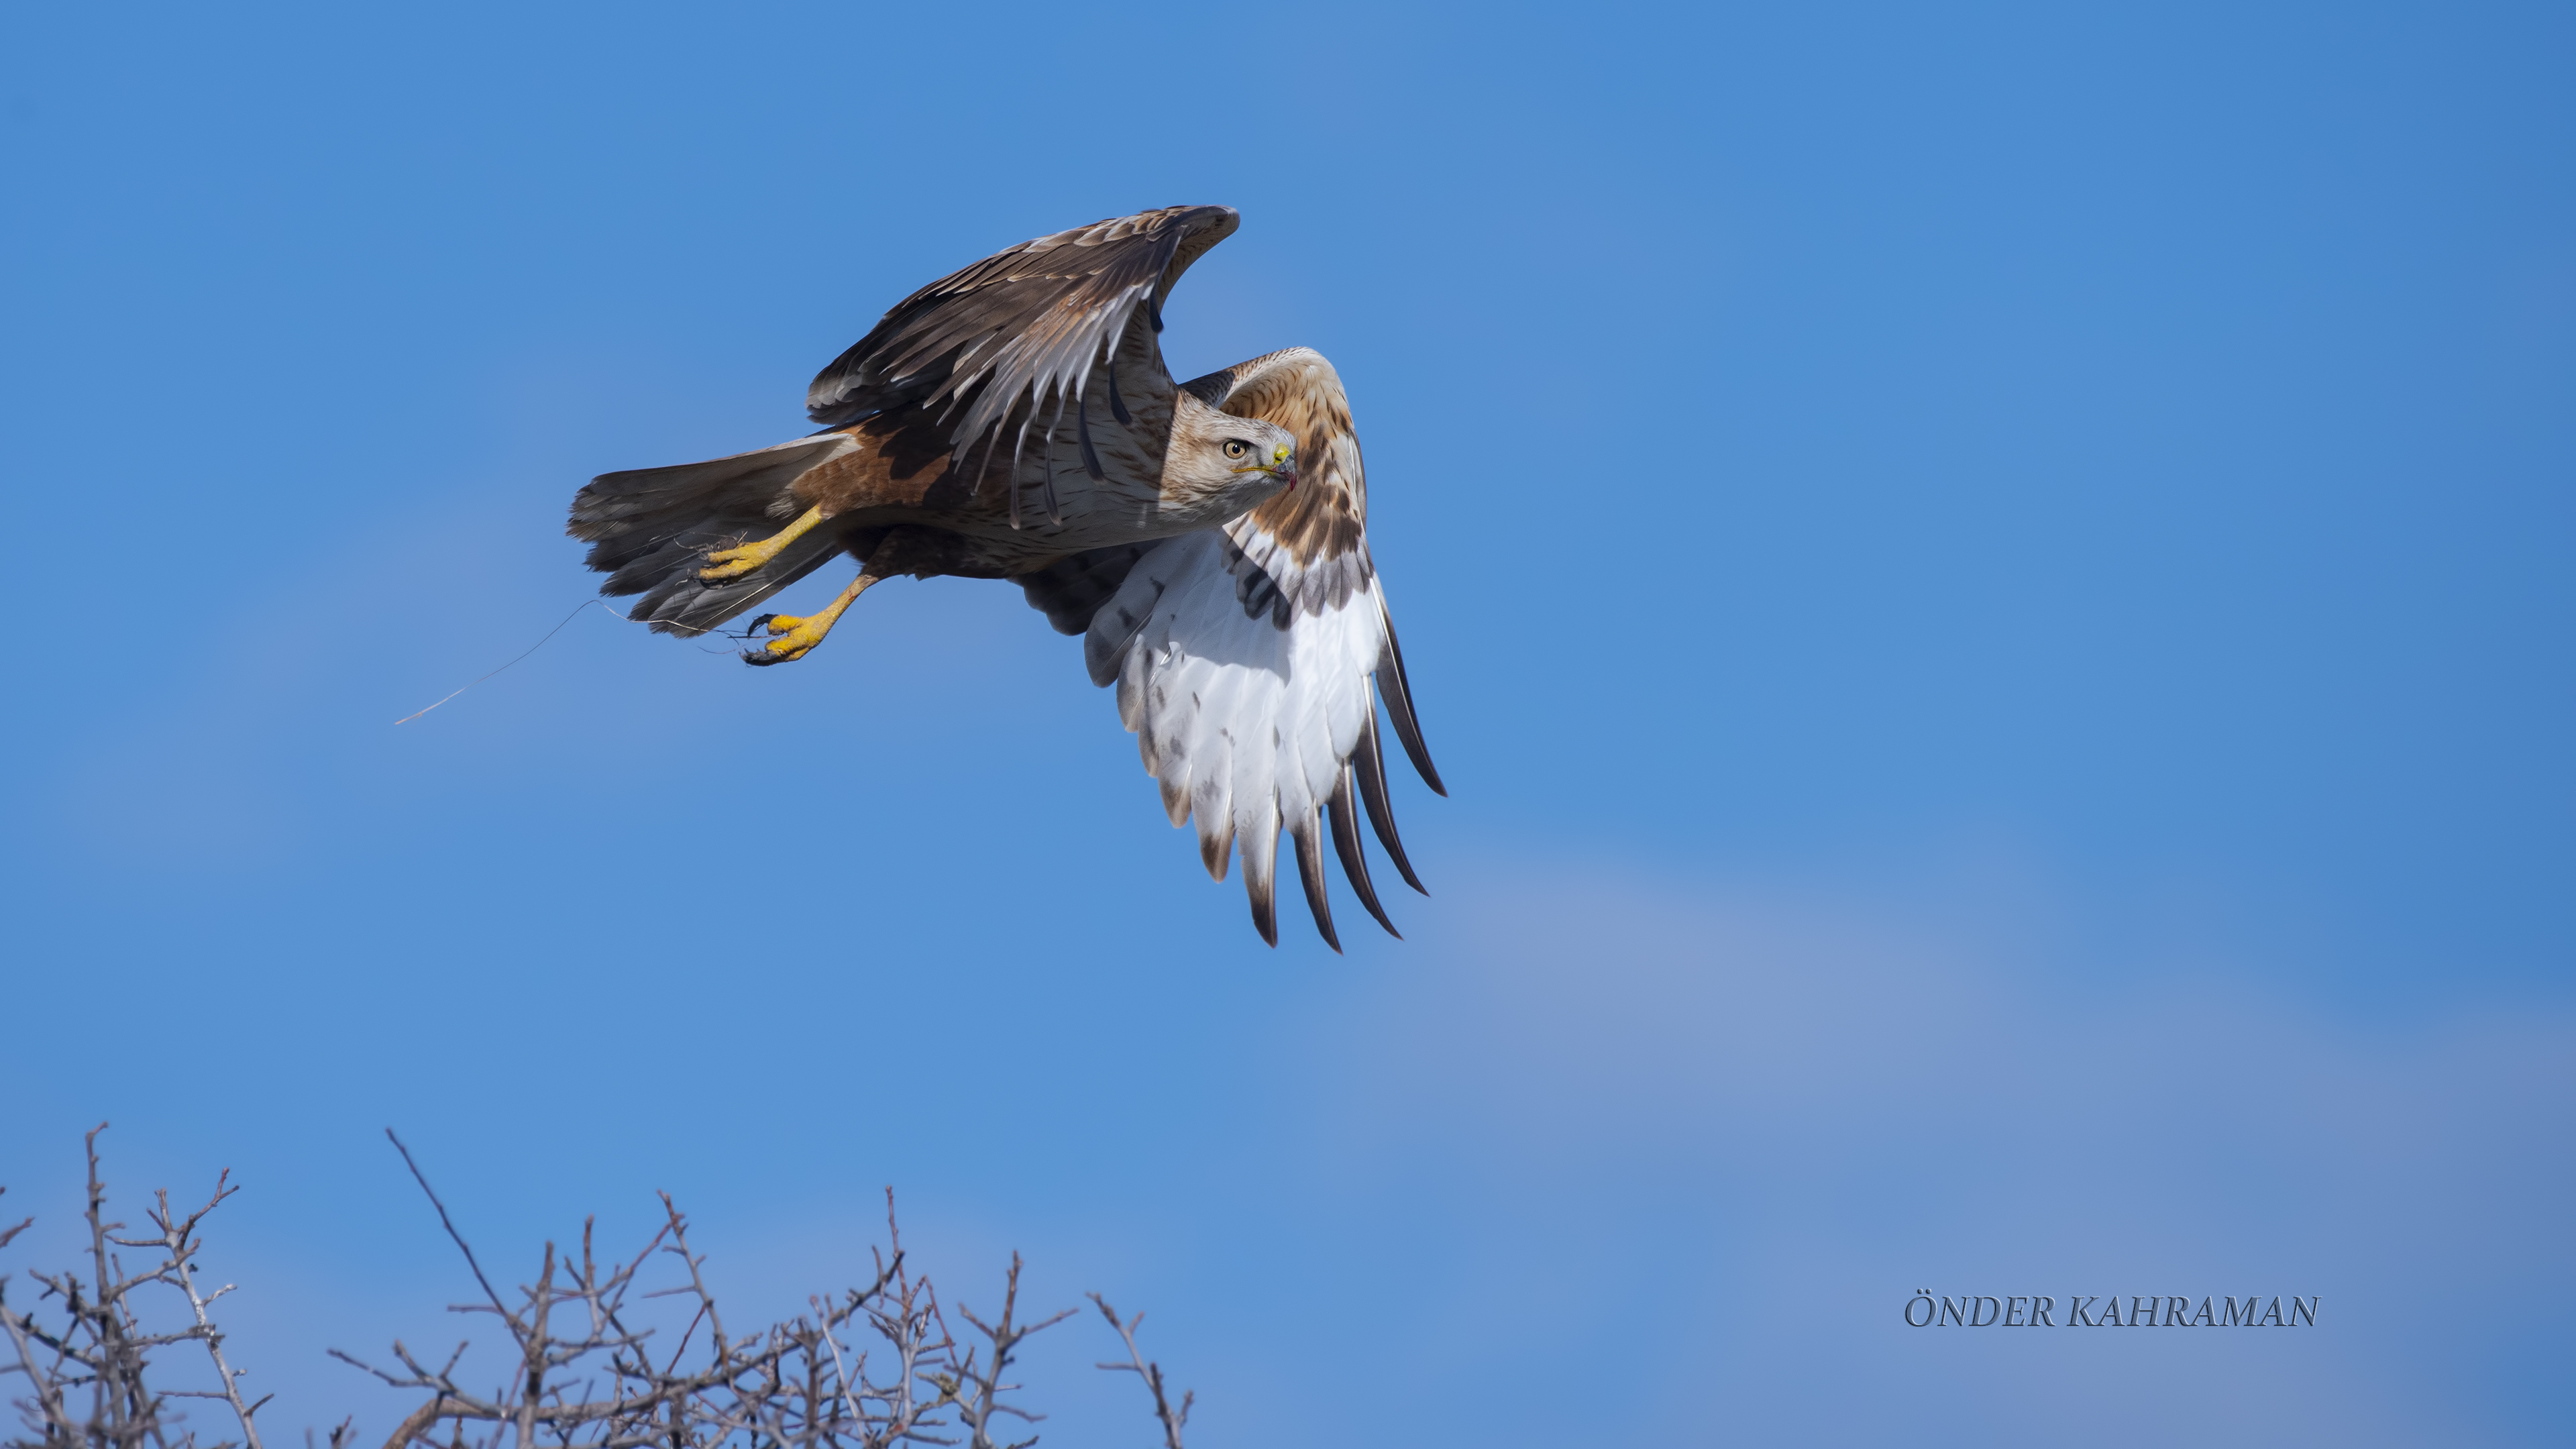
pixel 1223 453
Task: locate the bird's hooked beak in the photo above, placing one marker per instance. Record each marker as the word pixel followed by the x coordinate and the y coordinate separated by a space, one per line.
pixel 1282 465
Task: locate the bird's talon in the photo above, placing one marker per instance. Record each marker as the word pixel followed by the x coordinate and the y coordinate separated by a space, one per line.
pixel 791 639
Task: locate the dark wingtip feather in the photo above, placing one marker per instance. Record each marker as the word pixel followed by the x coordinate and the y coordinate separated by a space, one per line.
pixel 1261 881
pixel 1310 875
pixel 1354 855
pixel 1392 684
pixel 1369 763
pixel 1265 914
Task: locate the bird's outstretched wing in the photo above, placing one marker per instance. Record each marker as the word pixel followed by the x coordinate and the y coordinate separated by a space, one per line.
pixel 1019 327
pixel 1244 656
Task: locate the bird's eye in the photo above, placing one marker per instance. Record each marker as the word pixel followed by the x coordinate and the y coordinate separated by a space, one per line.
pixel 1236 447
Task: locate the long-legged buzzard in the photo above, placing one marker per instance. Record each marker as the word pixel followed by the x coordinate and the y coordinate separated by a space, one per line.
pixel 1208 539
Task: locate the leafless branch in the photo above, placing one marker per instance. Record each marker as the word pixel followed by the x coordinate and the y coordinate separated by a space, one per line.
pixel 873 1366
pixel 1152 1373
pixel 178 1239
pixel 446 1222
pixel 978 1408
pixel 101 1343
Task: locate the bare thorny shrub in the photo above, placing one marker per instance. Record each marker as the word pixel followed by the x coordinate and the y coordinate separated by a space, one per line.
pixel 873 1367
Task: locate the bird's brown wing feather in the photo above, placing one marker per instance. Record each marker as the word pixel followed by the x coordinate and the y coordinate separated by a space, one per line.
pixel 1017 328
pixel 1327 512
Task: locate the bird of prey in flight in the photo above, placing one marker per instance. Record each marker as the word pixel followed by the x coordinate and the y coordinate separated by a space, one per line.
pixel 1207 539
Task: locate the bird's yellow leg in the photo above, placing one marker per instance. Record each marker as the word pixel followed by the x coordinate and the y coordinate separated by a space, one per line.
pixel 796 637
pixel 727 563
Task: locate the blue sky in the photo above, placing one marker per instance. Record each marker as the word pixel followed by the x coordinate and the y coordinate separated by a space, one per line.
pixel 1990 585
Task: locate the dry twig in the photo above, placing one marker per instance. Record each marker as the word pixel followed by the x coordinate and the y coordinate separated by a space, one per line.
pixel 100 1344
pixel 794 1385
pixel 585 1372
pixel 1169 1417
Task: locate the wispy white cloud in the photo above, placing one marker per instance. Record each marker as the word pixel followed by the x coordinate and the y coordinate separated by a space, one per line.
pixel 1728 1130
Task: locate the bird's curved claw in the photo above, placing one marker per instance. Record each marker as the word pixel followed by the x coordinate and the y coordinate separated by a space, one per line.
pixel 794 637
